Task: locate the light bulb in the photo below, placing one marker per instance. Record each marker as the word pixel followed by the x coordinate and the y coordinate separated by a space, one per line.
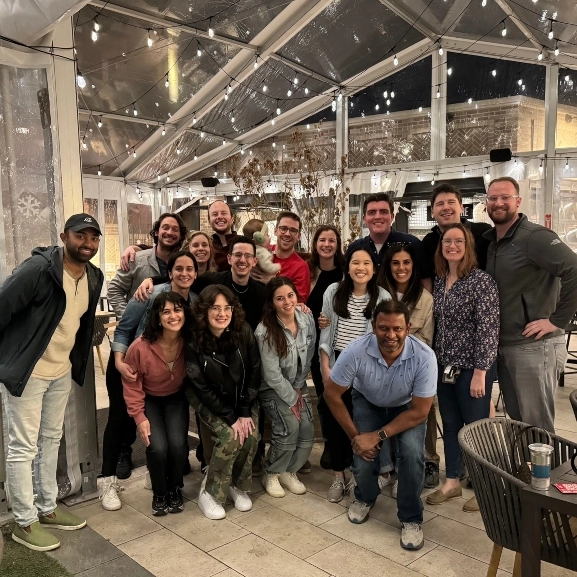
pixel 264 87
pixel 201 134
pixel 464 172
pixel 232 118
pixel 306 90
pixel 504 31
pixel 99 171
pixel 134 111
pixel 567 78
pixel 550 35
pixel 470 101
pixel 295 80
pixel 158 177
pixel 272 121
pixel 556 51
pixel 149 40
pixel 340 96
pixel 166 83
pixel 388 101
pixel 94 36
pixel 392 93
pixel 520 81
pixel 96 25
pixel 494 72
pixel 242 151
pixel 540 56
pixel 163 131
pixel 419 176
pixel 438 93
pixel 567 165
pixel 210 30
pixel 483 3
pixel 198 52
pixel 229 88
pixel 449 71
pixel 255 65
pixel 289 92
pixel 420 109
pixel 278 111
pixel 226 96
pixel 178 151
pixel 273 144
pixel 308 126
pixel 433 182
pixel 395 60
pixel 99 122
pixel 440 51
pixel 167 178
pixel 84 145
pixel 385 94
pixel 376 107
pixel 194 118
pixel 134 152
pixel 195 157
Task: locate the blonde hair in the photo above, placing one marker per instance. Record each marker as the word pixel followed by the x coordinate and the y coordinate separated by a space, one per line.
pixel 211 264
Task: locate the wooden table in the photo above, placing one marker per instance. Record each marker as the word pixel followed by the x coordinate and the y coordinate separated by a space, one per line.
pixel 532 501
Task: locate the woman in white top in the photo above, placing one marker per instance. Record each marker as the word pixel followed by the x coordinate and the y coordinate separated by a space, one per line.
pixel 349 306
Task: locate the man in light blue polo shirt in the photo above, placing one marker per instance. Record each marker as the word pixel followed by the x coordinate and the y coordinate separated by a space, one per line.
pixel 394 380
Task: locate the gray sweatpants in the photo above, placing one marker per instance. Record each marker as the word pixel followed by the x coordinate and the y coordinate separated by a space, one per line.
pixel 528 376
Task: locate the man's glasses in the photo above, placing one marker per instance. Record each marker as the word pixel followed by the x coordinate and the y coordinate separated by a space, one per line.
pixel 456 242
pixel 502 198
pixel 215 309
pixel 285 229
pixel 239 255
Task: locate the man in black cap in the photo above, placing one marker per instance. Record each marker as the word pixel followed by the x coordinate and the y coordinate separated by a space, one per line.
pixel 47 309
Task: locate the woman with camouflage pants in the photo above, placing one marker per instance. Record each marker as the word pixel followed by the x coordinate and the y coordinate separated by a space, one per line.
pixel 223 377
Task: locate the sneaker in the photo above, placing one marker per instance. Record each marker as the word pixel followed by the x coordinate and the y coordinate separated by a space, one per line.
pixel 124 465
pixel 63 519
pixel 306 468
pixel 291 482
pixel 358 512
pixel 109 494
pixel 211 508
pixel 175 501
pixel 395 489
pixel 325 461
pixel 271 485
pixel 159 505
pixel 240 499
pixel 431 475
pixel 147 481
pixel 351 489
pixel 336 491
pixel 38 539
pixel 411 536
pixel 385 481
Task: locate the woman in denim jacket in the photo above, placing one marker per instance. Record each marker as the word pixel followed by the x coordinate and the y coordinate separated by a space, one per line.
pixel 348 305
pixel 286 340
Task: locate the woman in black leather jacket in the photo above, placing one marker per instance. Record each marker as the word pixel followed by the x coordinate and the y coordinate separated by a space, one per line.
pixel 223 377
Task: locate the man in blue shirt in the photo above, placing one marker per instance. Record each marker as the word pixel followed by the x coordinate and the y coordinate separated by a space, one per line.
pixel 394 380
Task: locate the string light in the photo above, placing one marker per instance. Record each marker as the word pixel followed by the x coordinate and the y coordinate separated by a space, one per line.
pixel 388 102
pixel 255 65
pixel 470 101
pixel 80 80
pixel 556 51
pixel 232 116
pixel 392 93
pixel 440 50
pixel 201 134
pixel 306 90
pixel 84 145
pixel 166 82
pixel 194 118
pixel 295 80
pixel 420 109
pixel 134 111
pixel 158 177
pixel 167 178
pixel 99 123
pixel 541 167
pixel 464 171
pixel 163 130
pixel 540 56
pixel 449 71
pixel 494 72
pixel 484 3
pixel 264 87
pixel 487 176
pixel 195 157
pixel 149 41
pixel 550 35
pixel 96 25
pixel 225 95
pixel 198 51
pixel 567 165
pixel 438 92
pixel 100 171
pixel 94 36
pixel 210 30
pixel 229 87
pixel 273 143
pixel 134 152
pixel 278 111
pixel 520 81
pixel 376 106
pixel 395 60
pixel 504 31
pixel 289 92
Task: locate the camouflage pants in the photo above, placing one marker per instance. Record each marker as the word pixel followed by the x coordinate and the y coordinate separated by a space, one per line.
pixel 231 462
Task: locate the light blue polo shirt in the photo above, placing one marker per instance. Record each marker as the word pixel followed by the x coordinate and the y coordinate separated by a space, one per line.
pixel 361 365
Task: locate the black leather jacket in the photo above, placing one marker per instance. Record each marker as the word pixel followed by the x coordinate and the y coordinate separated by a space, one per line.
pixel 225 385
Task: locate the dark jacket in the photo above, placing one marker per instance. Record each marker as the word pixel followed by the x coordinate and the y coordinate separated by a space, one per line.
pixel 224 384
pixel 220 252
pixel 32 303
pixel 431 242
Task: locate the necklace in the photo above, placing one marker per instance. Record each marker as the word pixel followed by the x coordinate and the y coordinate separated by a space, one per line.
pixel 238 291
pixel 170 350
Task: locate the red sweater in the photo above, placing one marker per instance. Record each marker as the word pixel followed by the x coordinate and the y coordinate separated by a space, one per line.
pixel 153 375
pixel 295 268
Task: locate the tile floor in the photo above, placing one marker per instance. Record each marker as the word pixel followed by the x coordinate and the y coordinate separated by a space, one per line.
pixel 293 536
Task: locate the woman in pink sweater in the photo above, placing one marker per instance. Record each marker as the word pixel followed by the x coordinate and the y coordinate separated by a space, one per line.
pixel 156 401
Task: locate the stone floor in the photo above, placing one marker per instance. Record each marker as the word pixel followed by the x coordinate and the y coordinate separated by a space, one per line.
pixel 293 536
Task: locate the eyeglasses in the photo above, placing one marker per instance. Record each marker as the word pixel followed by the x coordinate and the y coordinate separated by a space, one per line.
pixel 456 242
pixel 285 229
pixel 215 309
pixel 502 198
pixel 239 255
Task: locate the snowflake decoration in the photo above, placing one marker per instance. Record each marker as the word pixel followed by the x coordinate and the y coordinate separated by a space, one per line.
pixel 28 206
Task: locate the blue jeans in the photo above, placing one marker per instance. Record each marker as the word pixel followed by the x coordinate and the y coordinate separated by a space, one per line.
pixel 459 408
pixel 35 422
pixel 410 459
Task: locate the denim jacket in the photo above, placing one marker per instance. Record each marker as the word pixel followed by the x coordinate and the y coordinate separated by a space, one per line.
pixel 282 375
pixel 328 335
pixel 134 319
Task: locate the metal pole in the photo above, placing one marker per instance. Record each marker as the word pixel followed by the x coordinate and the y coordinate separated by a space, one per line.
pixel 439 105
pixel 551 101
pixel 342 157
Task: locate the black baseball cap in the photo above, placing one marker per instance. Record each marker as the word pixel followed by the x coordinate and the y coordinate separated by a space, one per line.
pixel 81 221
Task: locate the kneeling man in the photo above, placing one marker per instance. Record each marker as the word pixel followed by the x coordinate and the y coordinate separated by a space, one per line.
pixel 394 380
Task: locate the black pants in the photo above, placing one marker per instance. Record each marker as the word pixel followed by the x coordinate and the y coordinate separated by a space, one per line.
pixel 322 407
pixel 120 432
pixel 168 417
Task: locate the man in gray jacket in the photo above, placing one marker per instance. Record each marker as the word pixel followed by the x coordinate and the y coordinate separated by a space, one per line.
pixel 537 278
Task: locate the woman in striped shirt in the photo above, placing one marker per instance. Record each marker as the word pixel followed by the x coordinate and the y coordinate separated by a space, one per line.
pixel 348 306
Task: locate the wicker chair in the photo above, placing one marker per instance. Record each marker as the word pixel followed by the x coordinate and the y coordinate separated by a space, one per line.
pixel 573 399
pixel 489 449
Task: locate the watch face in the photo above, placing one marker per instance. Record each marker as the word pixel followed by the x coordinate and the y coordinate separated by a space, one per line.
pixel 382 435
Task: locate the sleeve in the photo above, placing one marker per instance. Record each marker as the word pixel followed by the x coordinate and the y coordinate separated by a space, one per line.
pixel 198 390
pixel 125 332
pixel 546 250
pixel 425 383
pixel 311 343
pixel 17 291
pixel 253 368
pixel 327 335
pixel 345 368
pixel 271 371
pixel 487 320
pixel 119 288
pixel 302 281
pixel 426 332
pixel 132 390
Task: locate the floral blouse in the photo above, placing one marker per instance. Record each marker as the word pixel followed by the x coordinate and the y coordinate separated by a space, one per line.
pixel 467 321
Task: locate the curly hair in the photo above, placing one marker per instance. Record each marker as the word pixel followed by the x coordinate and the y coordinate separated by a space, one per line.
pixel 153 329
pixel 203 338
pixel 156 226
pixel 211 264
pixel 314 259
pixel 275 336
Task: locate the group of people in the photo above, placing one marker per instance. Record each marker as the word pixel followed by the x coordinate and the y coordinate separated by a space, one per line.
pixel 384 329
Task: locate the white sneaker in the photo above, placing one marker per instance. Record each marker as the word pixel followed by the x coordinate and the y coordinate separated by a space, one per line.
pixel 394 490
pixel 271 485
pixel 384 481
pixel 211 508
pixel 240 499
pixel 358 512
pixel 109 494
pixel 147 481
pixel 411 536
pixel 292 483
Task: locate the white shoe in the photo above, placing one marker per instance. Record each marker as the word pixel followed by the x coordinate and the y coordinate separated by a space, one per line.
pixel 271 485
pixel 211 508
pixel 411 536
pixel 240 499
pixel 384 481
pixel 147 481
pixel 394 490
pixel 292 483
pixel 109 494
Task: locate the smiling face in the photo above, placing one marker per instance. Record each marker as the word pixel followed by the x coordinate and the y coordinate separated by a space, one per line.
pixel 169 233
pixel 287 234
pixel 453 245
pixel 361 267
pixel 183 273
pixel 378 217
pixel 172 317
pixel 504 209
pixel 402 267
pixel 446 209
pixel 220 217
pixel 219 315
pixel 200 248
pixel 327 244
pixel 391 331
pixel 82 245
pixel 240 264
pixel 284 301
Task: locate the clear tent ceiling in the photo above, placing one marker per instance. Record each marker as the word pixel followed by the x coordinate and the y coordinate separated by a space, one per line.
pixel 331 47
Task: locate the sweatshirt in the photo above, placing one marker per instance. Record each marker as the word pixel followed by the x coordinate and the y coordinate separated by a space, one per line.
pixel 154 376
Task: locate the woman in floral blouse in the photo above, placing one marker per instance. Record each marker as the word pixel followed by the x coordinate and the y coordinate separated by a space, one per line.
pixel 466 310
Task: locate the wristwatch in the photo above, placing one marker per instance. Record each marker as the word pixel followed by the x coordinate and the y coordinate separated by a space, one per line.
pixel 382 435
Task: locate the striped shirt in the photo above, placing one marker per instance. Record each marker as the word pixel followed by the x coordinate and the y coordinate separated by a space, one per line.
pixel 355 326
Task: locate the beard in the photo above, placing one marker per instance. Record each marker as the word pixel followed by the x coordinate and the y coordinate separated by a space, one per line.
pixel 74 254
pixel 502 217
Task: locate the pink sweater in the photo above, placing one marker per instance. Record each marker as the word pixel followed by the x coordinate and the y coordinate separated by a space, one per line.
pixel 154 377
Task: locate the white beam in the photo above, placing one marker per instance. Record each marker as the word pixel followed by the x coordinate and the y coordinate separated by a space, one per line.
pixel 299 68
pixel 551 102
pixel 439 105
pixel 285 25
pixel 342 156
pixel 518 22
pixel 412 19
pixel 134 119
pixel 171 23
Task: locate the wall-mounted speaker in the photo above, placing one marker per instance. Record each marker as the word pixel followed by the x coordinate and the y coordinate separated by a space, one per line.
pixel 209 182
pixel 500 155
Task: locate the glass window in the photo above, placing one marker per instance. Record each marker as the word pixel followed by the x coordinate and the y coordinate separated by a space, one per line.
pixel 567 110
